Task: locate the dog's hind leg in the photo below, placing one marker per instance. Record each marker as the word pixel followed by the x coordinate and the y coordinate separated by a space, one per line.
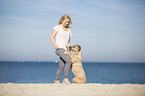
pixel 78 80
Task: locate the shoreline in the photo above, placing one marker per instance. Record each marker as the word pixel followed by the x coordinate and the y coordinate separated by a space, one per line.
pixel 88 89
pixel 82 84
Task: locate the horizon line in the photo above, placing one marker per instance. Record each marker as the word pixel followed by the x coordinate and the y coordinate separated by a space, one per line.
pixel 82 61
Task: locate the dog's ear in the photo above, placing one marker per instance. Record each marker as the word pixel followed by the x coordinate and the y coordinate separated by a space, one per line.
pixel 79 48
pixel 70 48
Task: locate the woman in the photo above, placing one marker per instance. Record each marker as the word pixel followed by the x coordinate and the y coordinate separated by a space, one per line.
pixel 62 34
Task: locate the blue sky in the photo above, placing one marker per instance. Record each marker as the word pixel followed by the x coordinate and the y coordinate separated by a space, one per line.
pixel 107 30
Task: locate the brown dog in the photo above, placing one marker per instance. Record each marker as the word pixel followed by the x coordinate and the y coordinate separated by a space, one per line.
pixel 77 67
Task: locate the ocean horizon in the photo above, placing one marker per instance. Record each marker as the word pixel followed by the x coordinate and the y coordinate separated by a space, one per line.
pixel 96 72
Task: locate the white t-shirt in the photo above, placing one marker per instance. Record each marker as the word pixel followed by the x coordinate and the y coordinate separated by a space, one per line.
pixel 62 37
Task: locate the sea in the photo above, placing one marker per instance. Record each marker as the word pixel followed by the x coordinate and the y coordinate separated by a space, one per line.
pixel 96 72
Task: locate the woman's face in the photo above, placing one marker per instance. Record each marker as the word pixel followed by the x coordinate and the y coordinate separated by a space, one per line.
pixel 65 23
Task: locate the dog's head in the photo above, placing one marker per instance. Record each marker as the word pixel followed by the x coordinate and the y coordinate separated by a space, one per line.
pixel 75 48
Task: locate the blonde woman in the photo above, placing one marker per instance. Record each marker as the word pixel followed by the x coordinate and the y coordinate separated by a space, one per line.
pixel 62 34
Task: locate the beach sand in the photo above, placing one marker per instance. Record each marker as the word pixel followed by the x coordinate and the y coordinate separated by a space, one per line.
pixel 11 89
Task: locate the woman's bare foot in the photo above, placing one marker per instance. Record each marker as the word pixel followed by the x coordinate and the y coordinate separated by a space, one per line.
pixel 57 82
pixel 65 81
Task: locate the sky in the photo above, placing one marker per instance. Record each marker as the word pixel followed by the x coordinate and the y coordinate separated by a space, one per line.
pixel 106 30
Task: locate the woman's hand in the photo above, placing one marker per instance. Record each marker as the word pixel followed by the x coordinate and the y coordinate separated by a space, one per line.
pixel 67 48
pixel 56 47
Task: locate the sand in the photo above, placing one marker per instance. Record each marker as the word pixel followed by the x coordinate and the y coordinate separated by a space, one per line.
pixel 11 89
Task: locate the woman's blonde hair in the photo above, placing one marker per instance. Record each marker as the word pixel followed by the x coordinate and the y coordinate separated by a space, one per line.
pixel 65 17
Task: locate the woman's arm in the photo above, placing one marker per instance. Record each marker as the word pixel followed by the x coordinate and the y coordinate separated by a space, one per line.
pixel 52 39
pixel 68 45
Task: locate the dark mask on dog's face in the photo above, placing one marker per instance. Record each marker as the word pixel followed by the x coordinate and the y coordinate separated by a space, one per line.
pixel 70 48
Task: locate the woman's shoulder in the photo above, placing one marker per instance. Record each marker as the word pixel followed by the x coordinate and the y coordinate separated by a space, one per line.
pixel 56 28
